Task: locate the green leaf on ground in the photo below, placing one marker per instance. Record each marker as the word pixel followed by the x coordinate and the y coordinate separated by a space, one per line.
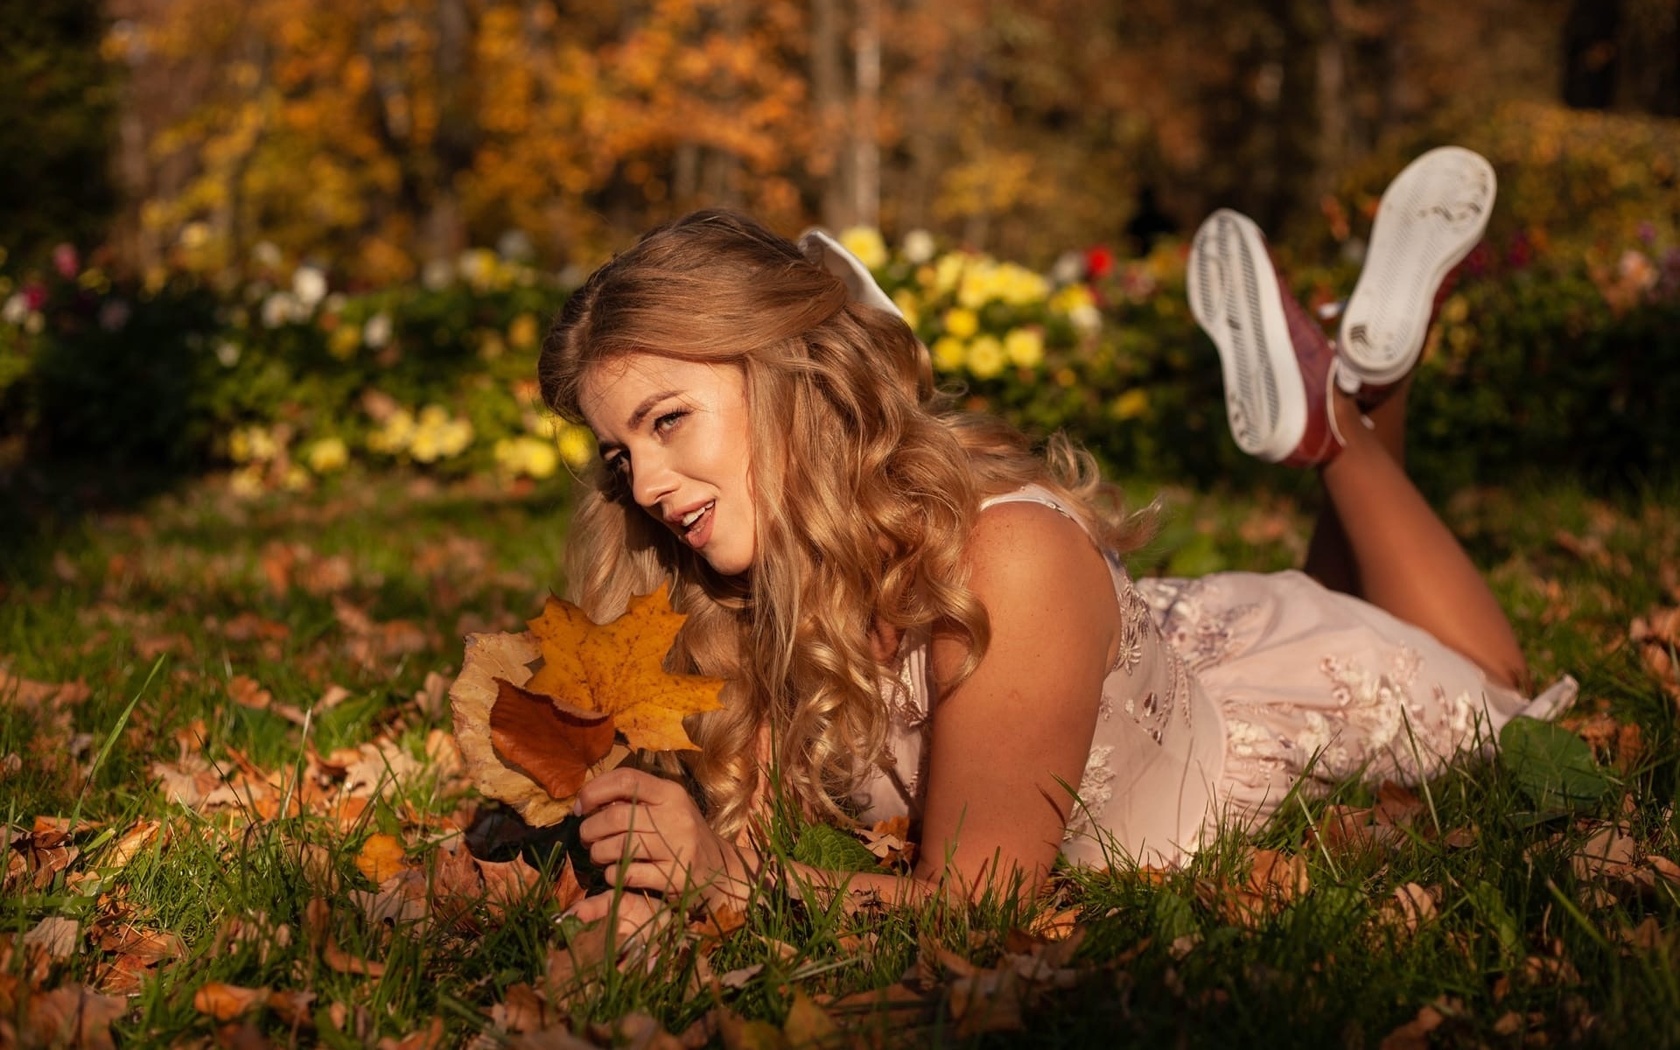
pixel 1553 767
pixel 824 846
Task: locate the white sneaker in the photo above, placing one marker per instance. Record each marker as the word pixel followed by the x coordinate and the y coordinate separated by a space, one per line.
pixel 1275 359
pixel 1429 218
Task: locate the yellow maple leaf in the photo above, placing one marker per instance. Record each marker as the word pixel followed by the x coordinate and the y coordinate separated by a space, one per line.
pixel 618 669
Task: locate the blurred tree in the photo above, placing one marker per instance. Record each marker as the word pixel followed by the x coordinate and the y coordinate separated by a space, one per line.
pixel 58 98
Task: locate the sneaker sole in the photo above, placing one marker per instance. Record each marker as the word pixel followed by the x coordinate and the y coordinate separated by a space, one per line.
pixel 1234 296
pixel 1429 218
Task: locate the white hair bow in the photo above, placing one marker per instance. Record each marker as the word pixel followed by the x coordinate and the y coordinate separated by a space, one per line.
pixel 823 250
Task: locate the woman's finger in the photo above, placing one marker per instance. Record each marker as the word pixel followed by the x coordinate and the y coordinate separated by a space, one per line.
pixel 616 818
pixel 632 846
pixel 657 876
pixel 621 785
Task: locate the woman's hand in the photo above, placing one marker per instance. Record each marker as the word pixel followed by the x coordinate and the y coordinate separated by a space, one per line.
pixel 638 918
pixel 649 835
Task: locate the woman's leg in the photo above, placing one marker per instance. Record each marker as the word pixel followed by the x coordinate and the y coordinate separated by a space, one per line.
pixel 1404 557
pixel 1330 560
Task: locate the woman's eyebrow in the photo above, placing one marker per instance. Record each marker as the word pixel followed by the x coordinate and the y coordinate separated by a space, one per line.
pixel 645 407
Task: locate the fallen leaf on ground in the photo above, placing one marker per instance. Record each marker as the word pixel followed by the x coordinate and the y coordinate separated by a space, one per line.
pixel 381 857
pixel 317 916
pixel 16 691
pixel 225 1002
pixel 55 935
pixel 71 1016
pixel 1414 1034
pixel 808 1024
pixel 1408 908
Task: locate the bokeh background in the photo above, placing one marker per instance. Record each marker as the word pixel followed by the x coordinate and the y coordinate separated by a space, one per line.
pixel 288 238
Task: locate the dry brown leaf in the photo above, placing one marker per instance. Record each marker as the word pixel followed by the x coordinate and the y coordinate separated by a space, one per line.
pixel 890 841
pixel 317 915
pixel 489 657
pixel 430 1037
pixel 1408 908
pixel 293 1008
pixel 508 883
pixel 1414 1034
pixel 619 668
pixel 16 691
pixel 638 1031
pixel 381 857
pixel 126 848
pixel 225 1002
pixel 554 743
pixel 741 1034
pixel 807 1024
pixel 56 936
pixel 73 1016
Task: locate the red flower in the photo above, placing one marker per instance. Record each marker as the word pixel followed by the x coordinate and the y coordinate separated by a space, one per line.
pixel 1099 262
pixel 65 261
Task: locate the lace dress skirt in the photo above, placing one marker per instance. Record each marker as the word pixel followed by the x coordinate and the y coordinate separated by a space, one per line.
pixel 1318 686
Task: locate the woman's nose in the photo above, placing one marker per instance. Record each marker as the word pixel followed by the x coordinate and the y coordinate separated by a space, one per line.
pixel 651 480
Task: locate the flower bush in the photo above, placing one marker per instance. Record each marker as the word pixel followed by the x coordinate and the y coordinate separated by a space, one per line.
pixel 1540 359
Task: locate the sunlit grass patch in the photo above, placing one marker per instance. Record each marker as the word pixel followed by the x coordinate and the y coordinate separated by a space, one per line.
pixel 282 813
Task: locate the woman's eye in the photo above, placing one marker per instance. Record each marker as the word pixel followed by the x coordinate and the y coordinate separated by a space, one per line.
pixel 667 421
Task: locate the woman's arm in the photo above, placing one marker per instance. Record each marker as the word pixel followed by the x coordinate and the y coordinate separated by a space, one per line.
pixel 1003 743
pixel 1010 736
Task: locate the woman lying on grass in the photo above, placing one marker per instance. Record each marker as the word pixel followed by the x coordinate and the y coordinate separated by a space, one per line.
pixel 918 616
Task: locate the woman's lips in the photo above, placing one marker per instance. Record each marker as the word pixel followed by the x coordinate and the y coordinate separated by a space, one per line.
pixel 699 530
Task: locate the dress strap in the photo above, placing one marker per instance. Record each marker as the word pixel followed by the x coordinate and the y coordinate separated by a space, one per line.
pixel 1027 494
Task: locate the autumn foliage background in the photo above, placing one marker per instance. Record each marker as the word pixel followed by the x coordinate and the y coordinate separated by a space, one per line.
pixel 272 278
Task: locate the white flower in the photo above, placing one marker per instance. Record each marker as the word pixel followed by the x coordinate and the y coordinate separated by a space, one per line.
pixel 267 253
pixel 1086 318
pixel 377 331
pixel 279 308
pixel 918 246
pixel 1068 268
pixel 515 244
pixel 309 284
pixel 16 309
pixel 437 274
pixel 227 352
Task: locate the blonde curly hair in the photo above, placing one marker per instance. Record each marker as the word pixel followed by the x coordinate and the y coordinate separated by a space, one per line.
pixel 866 482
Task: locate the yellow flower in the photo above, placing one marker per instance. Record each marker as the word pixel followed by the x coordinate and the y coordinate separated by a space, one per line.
pixel 522 333
pixel 1132 404
pixel 1455 310
pixel 433 416
pixel 1070 298
pixel 454 437
pixel 949 353
pixel 296 479
pixel 865 242
pixel 985 357
pixel 527 456
pixel 327 455
pixel 905 300
pixel 948 271
pixel 395 434
pixel 577 445
pixel 252 445
pixel 247 482
pixel 345 340
pixel 961 323
pixel 1025 347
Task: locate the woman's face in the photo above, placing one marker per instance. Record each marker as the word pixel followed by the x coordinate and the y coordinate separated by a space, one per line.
pixel 676 432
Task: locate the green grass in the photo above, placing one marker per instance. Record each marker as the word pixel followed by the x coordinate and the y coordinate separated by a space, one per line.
pixel 1523 948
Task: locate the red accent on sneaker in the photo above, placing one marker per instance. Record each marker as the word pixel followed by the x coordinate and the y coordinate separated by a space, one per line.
pixel 1320 443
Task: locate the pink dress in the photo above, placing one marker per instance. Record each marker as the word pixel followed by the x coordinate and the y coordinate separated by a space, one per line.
pixel 1226 692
